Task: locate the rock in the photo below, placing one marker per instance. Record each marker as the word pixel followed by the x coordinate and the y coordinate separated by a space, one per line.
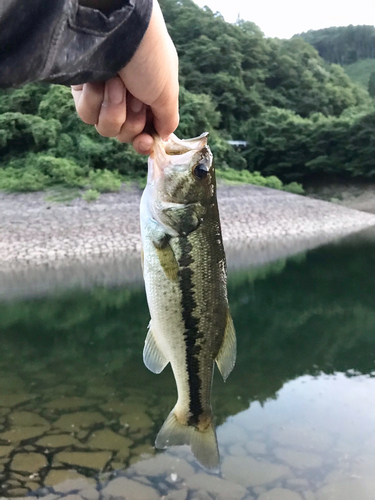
pixel 26 419
pixel 298 484
pixel 229 434
pixel 109 440
pixel 21 477
pixel 201 495
pixel 237 450
pixel 17 492
pixel 255 447
pixel 303 438
pixel 11 400
pixel 176 495
pixel 144 450
pixel 163 464
pixel 63 481
pixel 118 465
pixel 127 489
pixel 130 405
pixel 20 434
pixel 350 489
pixel 28 462
pixel 216 485
pixel 31 485
pixel 73 497
pixel 250 472
pixel 57 441
pixel 49 496
pixel 70 403
pixel 364 466
pixel 79 420
pixel 280 494
pixel 299 459
pixel 136 421
pixel 5 450
pixel 309 495
pixel 92 460
pixel 11 384
pixel 90 493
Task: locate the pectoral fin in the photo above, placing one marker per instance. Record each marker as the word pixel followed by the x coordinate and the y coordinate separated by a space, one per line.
pixel 153 357
pixel 168 261
pixel 226 358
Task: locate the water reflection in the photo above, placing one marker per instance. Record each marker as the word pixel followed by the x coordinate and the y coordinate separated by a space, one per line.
pixel 295 418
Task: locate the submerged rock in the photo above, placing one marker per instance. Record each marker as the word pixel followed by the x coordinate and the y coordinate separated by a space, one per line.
pixel 109 440
pixel 70 403
pixel 216 485
pixel 250 472
pixel 10 400
pixel 58 441
pixel 164 464
pixel 6 450
pixel 28 462
pixel 79 420
pixel 58 478
pixel 280 494
pixel 91 460
pixel 299 459
pixel 136 421
pixel 26 419
pixel 127 489
pixel 22 433
pixel 351 489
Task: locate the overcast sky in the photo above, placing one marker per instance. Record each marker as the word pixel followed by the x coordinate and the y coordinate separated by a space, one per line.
pixel 285 18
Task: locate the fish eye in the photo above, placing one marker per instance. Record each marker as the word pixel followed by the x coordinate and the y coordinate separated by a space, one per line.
pixel 201 171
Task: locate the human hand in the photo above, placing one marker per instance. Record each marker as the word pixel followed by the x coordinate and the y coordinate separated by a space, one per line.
pixel 145 89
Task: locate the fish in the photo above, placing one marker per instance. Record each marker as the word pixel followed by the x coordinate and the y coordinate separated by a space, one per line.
pixel 185 275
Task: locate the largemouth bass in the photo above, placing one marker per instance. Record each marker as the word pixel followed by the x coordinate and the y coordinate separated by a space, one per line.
pixel 186 286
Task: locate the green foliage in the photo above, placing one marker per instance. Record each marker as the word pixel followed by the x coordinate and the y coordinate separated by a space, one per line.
pixel 104 181
pixel 371 84
pixel 360 71
pixel 344 44
pixel 284 144
pixel 90 195
pixel 231 176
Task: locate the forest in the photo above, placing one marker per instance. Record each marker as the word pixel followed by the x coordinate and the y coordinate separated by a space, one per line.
pixel 301 116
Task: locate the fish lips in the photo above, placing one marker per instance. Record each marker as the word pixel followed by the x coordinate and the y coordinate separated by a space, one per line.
pixel 174 151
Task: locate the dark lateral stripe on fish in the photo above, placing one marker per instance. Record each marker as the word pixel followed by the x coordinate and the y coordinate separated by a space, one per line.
pixel 191 333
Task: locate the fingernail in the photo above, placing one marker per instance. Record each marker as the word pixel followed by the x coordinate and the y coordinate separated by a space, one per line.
pixel 135 105
pixel 116 92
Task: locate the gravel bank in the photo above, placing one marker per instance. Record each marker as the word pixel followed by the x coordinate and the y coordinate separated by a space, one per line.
pixel 44 245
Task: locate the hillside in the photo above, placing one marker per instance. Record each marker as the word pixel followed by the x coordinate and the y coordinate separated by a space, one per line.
pixel 360 71
pixel 344 44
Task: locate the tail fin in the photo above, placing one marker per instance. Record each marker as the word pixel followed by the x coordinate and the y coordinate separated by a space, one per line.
pixel 203 443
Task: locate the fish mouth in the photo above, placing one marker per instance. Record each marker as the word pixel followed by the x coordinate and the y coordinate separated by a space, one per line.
pixel 165 152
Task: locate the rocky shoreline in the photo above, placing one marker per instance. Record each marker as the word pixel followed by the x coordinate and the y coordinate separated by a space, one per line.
pixel 45 245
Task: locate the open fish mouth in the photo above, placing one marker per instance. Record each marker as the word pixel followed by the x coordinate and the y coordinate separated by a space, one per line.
pixel 172 151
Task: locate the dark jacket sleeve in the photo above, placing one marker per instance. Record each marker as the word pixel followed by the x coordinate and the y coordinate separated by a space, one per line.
pixel 60 41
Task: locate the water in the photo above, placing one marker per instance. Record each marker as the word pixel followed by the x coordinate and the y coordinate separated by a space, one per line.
pixel 295 420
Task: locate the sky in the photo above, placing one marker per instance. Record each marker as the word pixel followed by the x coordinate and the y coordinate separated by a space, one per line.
pixel 285 18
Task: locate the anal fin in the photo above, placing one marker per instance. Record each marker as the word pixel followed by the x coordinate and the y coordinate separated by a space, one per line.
pixel 153 357
pixel 226 357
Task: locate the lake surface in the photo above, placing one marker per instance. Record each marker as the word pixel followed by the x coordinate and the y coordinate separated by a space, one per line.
pixel 79 412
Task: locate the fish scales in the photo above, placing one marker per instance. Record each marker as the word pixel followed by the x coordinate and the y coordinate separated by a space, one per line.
pixel 185 280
